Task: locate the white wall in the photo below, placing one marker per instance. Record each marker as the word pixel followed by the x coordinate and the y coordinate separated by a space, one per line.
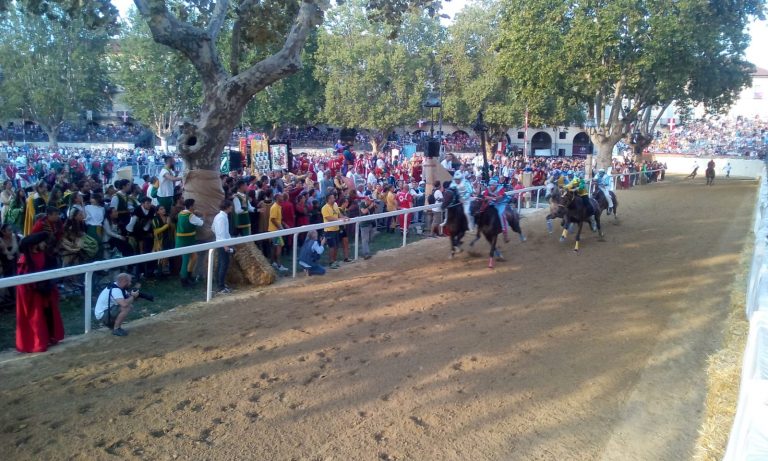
pixel 739 167
pixel 83 145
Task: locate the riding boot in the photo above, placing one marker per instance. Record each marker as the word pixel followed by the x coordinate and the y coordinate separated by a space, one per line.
pixel 593 223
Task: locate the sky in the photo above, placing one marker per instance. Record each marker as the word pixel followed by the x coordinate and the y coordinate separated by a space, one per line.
pixel 755 53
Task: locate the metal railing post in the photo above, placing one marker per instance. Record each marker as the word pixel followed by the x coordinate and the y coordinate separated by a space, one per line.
pixel 88 300
pixel 295 252
pixel 405 227
pixel 209 283
pixel 538 193
pixel 357 239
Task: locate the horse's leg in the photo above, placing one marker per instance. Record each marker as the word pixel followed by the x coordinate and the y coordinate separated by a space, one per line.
pixel 514 222
pixel 549 223
pixel 578 237
pixel 477 237
pixel 564 234
pixel 492 240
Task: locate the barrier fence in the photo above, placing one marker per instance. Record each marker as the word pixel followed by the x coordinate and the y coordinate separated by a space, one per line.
pixel 87 270
pixel 749 434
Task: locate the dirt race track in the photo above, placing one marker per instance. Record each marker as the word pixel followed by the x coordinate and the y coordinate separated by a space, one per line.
pixel 410 356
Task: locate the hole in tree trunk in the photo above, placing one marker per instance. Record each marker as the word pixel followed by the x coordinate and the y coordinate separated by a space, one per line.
pixel 192 141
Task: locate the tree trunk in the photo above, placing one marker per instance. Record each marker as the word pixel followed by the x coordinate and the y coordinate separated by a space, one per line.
pixel 201 145
pixel 164 143
pixel 53 137
pixel 375 145
pixel 604 153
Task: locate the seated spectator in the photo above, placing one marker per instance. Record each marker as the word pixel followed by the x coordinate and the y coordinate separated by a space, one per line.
pixel 309 255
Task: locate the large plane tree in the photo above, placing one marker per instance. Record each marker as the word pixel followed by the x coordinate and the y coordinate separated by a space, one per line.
pixel 618 59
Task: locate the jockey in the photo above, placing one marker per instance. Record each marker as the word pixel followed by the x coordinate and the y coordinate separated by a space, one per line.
pixel 496 195
pixel 464 189
pixel 603 182
pixel 578 186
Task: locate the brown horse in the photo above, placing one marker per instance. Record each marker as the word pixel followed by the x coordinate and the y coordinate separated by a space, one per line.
pixel 577 212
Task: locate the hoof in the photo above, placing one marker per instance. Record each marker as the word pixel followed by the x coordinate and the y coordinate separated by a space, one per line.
pixel 576 250
pixel 523 238
pixel 562 239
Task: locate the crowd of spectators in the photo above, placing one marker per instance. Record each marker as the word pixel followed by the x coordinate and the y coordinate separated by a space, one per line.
pixel 742 137
pixel 18 133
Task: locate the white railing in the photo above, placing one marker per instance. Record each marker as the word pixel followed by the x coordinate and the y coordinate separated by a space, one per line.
pixel 98 266
pixel 749 433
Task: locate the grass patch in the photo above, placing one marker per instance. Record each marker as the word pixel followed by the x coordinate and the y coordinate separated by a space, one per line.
pixel 724 372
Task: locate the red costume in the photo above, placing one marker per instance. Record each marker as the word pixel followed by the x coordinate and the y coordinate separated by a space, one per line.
pixel 404 200
pixel 38 320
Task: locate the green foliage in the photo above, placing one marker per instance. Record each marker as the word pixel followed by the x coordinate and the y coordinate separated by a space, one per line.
pixel 637 53
pixel 93 14
pixel 294 101
pixel 373 82
pixel 52 71
pixel 160 85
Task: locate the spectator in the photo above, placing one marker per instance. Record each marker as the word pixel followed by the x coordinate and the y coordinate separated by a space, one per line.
pixel 114 236
pixel 115 302
pixel 366 227
pixel 9 250
pixel 186 231
pixel 242 209
pixel 331 213
pixel 163 233
pixel 38 320
pixel 276 223
pixel 309 255
pixel 15 214
pixel 221 231
pixel 165 190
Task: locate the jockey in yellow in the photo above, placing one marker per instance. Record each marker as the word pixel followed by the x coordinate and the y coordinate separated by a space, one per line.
pixel 579 187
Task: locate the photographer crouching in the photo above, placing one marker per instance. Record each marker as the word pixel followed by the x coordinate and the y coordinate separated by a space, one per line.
pixel 115 302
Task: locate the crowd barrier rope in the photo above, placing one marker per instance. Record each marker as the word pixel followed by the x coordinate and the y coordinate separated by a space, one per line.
pixel 88 270
pixel 749 434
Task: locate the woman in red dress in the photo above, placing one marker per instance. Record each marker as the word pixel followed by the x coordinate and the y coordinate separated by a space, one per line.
pixel 404 200
pixel 38 320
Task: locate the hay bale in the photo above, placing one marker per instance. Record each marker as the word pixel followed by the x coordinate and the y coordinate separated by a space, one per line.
pixel 254 267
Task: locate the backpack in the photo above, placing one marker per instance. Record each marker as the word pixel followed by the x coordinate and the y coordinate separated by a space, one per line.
pixel 431 198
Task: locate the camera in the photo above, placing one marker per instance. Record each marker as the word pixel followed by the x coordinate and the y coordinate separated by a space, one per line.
pixel 147 296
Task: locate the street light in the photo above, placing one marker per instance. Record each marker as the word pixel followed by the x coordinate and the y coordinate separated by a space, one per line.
pixel 482 129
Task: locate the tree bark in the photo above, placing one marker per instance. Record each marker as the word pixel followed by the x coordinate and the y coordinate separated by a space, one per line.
pixel 53 136
pixel 375 145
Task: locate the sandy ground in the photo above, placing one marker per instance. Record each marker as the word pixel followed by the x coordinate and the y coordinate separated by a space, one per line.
pixel 551 356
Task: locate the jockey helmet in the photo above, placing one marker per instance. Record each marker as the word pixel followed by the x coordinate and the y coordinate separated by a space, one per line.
pixel 570 173
pixel 601 170
pixel 458 175
pixel 494 181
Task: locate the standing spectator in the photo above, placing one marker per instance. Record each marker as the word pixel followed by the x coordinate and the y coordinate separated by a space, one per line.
pixel 5 198
pixel 435 215
pixel 162 233
pixel 242 209
pixel 404 200
pixel 16 210
pixel 167 179
pixel 331 213
pixel 38 320
pixel 221 231
pixel 9 250
pixel 51 225
pixel 143 234
pixel 390 201
pixel 186 230
pixel 121 202
pixel 94 219
pixel 276 223
pixel 366 227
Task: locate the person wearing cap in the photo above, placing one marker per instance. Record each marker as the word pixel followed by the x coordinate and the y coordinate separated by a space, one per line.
pixel 38 319
pixel 604 184
pixel 496 196
pixel 242 209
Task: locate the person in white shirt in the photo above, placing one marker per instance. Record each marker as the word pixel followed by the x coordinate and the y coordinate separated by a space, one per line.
pixel 435 215
pixel 116 302
pixel 167 179
pixel 221 231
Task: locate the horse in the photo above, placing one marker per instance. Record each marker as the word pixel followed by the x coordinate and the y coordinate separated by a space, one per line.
pixel 456 220
pixel 556 209
pixel 488 224
pixel 577 212
pixel 710 175
pixel 604 203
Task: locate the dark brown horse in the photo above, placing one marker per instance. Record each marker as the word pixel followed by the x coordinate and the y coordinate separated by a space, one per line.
pixel 577 212
pixel 604 203
pixel 456 220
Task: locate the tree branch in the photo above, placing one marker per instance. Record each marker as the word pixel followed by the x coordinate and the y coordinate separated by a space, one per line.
pixel 217 20
pixel 194 43
pixel 288 60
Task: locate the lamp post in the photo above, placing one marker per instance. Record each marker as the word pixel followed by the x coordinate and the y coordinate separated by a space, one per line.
pixel 482 129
